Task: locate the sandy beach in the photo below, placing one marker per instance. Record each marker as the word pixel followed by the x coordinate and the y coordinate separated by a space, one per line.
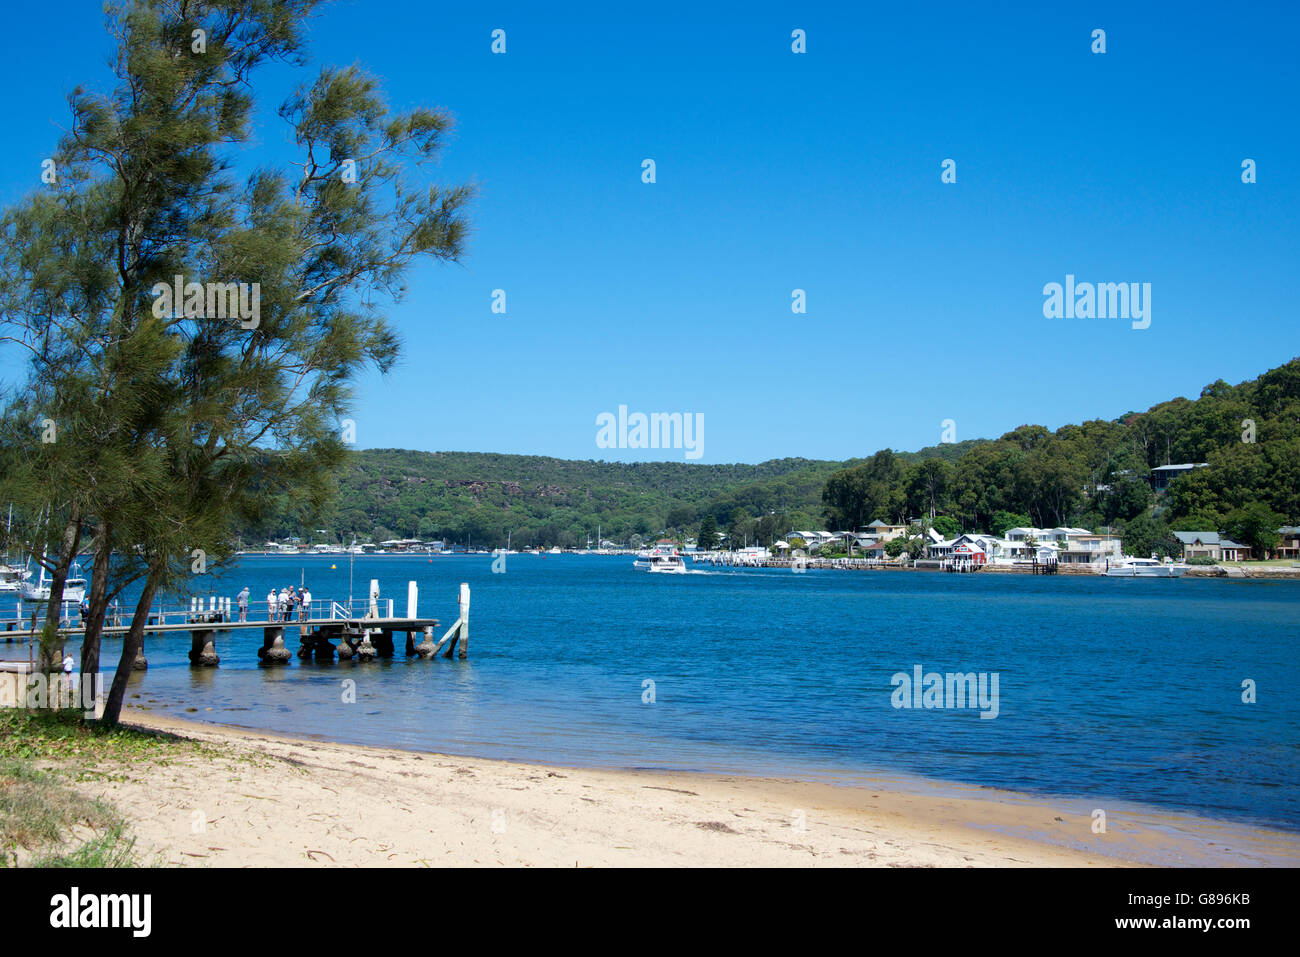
pixel 250 798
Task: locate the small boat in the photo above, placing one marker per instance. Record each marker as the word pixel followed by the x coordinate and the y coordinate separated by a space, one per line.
pixel 1145 568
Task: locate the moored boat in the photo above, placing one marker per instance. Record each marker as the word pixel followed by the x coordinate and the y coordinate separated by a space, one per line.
pixel 74 586
pixel 1146 568
pixel 12 578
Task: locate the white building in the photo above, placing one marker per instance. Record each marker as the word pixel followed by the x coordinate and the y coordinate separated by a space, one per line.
pixel 812 540
pixel 1073 546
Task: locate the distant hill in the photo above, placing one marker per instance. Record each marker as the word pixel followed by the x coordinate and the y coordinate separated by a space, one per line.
pixel 479 497
pixel 1088 474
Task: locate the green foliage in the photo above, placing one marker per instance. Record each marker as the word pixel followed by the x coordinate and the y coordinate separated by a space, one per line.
pixel 949 527
pixel 1145 536
pixel 874 489
pixel 707 539
pixel 1129 495
pixel 1255 525
pixel 462 497
pixel 60 735
pixel 1003 520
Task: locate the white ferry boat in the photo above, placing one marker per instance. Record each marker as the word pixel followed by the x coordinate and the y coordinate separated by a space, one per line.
pixel 1145 568
pixel 662 561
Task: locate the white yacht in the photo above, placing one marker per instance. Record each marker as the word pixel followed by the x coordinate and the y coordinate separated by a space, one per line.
pixel 74 586
pixel 1145 568
pixel 12 578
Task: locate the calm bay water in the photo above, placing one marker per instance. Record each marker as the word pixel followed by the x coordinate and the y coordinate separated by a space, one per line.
pixel 1119 690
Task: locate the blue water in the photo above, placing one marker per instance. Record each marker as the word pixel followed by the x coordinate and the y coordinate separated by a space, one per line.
pixel 1124 690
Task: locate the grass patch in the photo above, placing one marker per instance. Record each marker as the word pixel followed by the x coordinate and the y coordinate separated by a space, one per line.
pixel 39 817
pixel 59 735
pixel 113 848
pixel 45 823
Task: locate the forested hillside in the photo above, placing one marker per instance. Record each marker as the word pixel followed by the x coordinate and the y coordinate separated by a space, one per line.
pixel 1097 474
pixel 1094 474
pixel 480 497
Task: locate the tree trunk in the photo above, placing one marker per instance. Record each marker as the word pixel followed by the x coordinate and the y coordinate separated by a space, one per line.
pixel 103 551
pixel 131 646
pixel 51 649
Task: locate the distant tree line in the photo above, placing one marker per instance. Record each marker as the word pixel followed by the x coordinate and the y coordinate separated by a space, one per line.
pixel 1095 475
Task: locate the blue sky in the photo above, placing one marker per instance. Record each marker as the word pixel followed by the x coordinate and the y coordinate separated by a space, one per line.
pixel 819 171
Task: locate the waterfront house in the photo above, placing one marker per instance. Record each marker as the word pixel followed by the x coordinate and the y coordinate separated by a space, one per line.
pixel 1060 534
pixel 813 540
pixel 968 552
pixel 876 550
pixel 1211 545
pixel 940 549
pixel 1071 545
pixel 990 545
pixel 1290 545
pixel 883 532
pixel 1089 547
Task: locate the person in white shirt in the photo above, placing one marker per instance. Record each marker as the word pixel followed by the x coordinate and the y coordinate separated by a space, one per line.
pixel 272 605
pixel 306 603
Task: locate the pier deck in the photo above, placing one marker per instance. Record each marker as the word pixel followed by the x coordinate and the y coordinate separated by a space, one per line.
pixel 11 633
pixel 364 636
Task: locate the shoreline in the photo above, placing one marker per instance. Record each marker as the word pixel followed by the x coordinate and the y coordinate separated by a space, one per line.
pixel 1284 572
pixel 270 799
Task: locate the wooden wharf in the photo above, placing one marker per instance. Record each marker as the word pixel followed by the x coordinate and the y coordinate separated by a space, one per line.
pixel 350 636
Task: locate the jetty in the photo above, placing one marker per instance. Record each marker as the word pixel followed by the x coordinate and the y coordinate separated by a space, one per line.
pixel 353 630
